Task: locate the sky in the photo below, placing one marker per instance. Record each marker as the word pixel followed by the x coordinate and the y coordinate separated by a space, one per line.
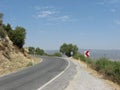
pixel 89 24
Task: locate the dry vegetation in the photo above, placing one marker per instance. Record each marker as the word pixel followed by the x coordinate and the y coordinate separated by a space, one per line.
pixel 93 72
pixel 11 59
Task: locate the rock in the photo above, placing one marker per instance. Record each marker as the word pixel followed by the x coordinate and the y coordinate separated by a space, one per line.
pixel 11 58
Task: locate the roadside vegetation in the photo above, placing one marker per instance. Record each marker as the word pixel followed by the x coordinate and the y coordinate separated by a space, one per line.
pixel 69 49
pixel 40 52
pixel 17 35
pixel 109 69
pixel 13 55
pixel 35 51
pixel 56 54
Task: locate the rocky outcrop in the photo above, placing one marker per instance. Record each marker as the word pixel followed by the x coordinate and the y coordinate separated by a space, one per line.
pixel 11 58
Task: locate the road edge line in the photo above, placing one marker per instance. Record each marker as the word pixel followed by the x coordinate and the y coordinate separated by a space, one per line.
pixel 56 76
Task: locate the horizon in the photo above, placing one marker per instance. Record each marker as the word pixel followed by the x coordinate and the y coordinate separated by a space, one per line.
pixel 83 49
pixel 50 23
pixel 95 54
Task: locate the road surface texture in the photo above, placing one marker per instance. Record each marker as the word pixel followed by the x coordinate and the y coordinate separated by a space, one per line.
pixel 63 80
pixel 53 74
pixel 84 80
pixel 34 77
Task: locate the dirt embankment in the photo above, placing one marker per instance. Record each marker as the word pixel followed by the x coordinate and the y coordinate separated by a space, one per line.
pixel 12 59
pixel 88 79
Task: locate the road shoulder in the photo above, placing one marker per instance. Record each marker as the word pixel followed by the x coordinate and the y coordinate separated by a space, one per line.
pixel 61 82
pixel 88 79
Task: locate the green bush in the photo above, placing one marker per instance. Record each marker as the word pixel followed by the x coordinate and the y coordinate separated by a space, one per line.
pixel 116 72
pixel 102 64
pixel 82 58
pixel 91 62
pixel 1 17
pixel 69 49
pixel 36 51
pixel 58 54
pixel 17 36
pixel 39 51
pixel 2 32
pixel 110 69
pixel 77 56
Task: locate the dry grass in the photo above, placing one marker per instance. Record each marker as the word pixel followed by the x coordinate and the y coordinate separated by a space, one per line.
pixel 12 59
pixel 96 74
pixel 17 62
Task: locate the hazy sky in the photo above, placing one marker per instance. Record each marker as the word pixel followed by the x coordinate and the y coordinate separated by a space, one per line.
pixel 92 24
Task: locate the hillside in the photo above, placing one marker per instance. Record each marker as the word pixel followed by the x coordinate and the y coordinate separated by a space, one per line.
pixel 11 58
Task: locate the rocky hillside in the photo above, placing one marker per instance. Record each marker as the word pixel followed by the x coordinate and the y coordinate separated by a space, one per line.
pixel 11 58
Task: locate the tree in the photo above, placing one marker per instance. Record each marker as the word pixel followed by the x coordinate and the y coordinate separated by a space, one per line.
pixel 69 49
pixel 2 32
pixel 1 17
pixel 17 36
pixel 36 51
pixel 58 54
pixel 31 50
pixel 7 27
pixel 39 51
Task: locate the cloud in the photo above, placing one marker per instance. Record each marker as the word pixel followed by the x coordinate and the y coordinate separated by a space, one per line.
pixel 117 22
pixel 45 14
pixel 64 18
pixel 43 8
pixel 61 18
pixel 51 14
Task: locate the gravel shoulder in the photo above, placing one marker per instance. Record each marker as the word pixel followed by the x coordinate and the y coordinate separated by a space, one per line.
pixel 88 79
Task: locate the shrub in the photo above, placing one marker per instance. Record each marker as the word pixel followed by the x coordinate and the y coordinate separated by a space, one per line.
pixel 58 54
pixel 116 72
pixel 39 51
pixel 102 64
pixel 69 49
pixel 82 58
pixel 17 36
pixel 29 64
pixel 2 32
pixel 110 69
pixel 90 62
pixel 77 56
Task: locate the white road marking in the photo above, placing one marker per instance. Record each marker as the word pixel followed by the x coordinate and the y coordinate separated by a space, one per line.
pixel 55 77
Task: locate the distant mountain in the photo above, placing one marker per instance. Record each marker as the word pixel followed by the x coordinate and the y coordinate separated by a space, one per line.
pixel 51 51
pixel 97 53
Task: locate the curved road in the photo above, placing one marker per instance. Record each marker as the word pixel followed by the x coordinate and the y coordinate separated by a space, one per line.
pixel 34 77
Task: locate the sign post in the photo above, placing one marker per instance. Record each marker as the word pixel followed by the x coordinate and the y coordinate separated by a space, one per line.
pixel 87 55
pixel 71 53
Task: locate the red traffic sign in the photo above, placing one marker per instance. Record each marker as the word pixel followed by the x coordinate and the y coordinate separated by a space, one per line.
pixel 87 53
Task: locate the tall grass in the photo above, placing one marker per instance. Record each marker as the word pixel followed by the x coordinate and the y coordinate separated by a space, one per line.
pixel 110 69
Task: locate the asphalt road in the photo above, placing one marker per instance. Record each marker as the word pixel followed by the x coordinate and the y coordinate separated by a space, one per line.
pixel 34 77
